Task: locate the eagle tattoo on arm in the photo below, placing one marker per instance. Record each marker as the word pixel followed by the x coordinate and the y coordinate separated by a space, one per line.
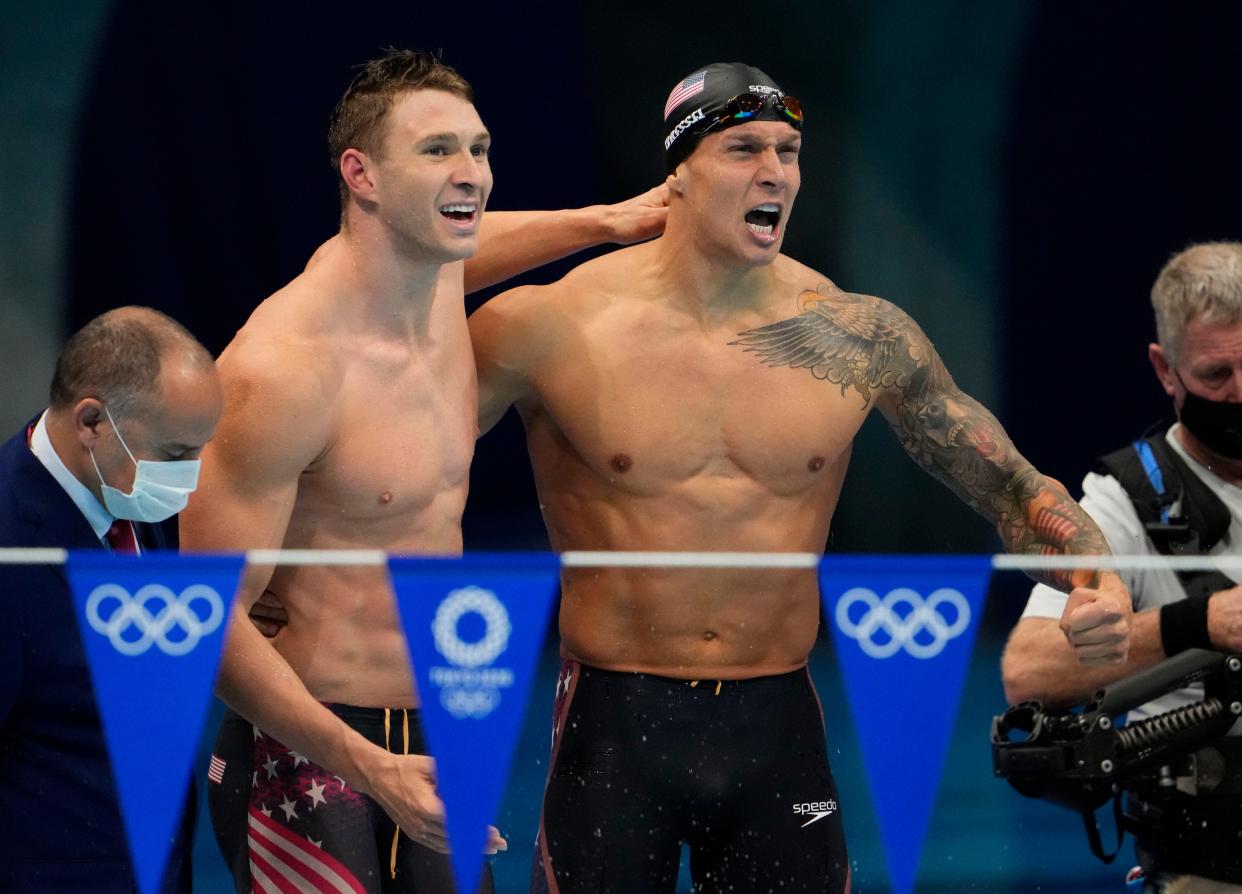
pixel 869 346
pixel 849 342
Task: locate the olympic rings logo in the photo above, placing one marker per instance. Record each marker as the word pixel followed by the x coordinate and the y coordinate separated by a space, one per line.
pixel 495 637
pixel 132 613
pixel 476 703
pixel 902 632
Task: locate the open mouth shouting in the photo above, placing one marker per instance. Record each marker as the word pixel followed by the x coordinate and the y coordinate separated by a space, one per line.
pixel 462 215
pixel 763 221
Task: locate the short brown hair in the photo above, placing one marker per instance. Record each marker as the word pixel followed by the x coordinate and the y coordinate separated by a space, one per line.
pixel 359 119
pixel 115 358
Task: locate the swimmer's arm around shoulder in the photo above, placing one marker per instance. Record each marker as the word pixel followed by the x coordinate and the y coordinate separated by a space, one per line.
pixel 512 242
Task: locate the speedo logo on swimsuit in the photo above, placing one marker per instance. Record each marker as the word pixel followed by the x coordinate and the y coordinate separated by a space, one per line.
pixel 817 810
pixel 696 115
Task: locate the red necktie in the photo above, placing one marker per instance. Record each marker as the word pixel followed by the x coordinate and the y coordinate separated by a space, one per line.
pixel 121 538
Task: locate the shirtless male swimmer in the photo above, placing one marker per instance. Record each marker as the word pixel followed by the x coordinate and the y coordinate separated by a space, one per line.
pixel 349 422
pixel 701 392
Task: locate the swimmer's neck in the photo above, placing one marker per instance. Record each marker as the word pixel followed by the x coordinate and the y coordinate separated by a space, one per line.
pixel 381 286
pixel 707 284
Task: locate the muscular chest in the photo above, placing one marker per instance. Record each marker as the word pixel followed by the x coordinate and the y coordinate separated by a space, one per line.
pixel 647 410
pixel 404 436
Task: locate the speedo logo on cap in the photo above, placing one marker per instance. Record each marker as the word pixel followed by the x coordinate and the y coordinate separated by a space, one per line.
pixel 760 88
pixel 696 115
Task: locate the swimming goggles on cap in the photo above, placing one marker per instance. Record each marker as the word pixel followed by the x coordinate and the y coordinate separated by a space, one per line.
pixel 746 106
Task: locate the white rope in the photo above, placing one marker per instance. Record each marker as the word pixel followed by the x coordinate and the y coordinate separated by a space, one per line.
pixel 571 559
pixel 317 557
pixel 19 555
pixel 605 559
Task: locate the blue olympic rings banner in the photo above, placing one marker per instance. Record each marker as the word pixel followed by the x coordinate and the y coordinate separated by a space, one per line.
pixel 474 627
pixel 153 627
pixel 904 629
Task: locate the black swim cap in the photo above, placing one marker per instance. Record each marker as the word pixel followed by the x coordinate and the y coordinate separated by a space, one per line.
pixel 698 100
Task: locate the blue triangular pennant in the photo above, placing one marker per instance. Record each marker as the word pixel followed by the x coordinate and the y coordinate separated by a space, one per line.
pixel 152 627
pixel 475 627
pixel 904 629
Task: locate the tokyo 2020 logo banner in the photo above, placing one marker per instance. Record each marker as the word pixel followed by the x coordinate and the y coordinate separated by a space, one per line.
pixel 474 626
pixel 152 627
pixel 904 630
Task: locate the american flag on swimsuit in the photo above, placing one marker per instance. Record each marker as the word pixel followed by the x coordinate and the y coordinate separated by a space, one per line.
pixel 282 861
pixel 215 770
pixel 691 86
pixel 295 806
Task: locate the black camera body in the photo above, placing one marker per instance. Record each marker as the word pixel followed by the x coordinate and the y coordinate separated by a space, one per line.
pixel 1083 759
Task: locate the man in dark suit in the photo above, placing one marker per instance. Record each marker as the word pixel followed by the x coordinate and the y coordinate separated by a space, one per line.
pixel 113 458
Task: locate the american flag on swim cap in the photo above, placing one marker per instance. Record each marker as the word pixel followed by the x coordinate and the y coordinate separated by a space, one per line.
pixel 691 86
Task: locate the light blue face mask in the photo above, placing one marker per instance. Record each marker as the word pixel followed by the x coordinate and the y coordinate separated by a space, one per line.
pixel 160 491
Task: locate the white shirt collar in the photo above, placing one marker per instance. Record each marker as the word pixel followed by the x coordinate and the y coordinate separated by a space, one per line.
pixel 100 519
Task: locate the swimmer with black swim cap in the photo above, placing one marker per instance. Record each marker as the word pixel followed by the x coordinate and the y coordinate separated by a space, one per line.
pixel 702 391
pixel 726 105
pixel 721 95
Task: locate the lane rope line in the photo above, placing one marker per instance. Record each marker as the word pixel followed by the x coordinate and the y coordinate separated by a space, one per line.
pixel 620 559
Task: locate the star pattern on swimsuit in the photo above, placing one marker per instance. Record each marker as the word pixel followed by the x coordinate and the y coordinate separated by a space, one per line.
pixel 315 793
pixel 270 766
pixel 290 808
pixel 265 810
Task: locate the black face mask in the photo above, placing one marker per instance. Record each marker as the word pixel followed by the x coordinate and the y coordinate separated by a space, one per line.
pixel 1214 422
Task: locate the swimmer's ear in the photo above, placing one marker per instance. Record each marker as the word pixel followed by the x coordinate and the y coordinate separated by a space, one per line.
pixel 355 170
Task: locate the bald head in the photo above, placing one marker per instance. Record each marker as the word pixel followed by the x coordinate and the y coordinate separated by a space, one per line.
pixel 1202 283
pixel 118 356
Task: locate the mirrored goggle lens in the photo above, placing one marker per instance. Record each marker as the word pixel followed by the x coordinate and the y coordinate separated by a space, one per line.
pixel 745 105
pixel 792 108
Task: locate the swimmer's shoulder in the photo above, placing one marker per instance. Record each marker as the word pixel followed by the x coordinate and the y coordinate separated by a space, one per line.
pixel 807 287
pixel 610 282
pixel 795 277
pixel 280 402
pixel 518 327
pixel 282 356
